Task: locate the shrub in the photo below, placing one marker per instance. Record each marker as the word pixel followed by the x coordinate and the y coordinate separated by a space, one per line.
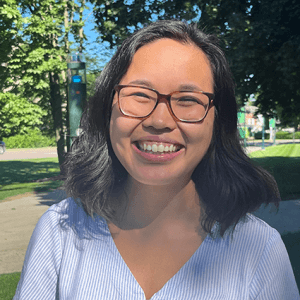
pixel 34 139
pixel 283 135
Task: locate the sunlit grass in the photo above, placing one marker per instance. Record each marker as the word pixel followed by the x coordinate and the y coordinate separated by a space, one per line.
pixel 8 285
pixel 283 162
pixel 286 150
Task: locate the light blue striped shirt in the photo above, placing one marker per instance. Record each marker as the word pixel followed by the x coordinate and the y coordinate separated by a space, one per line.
pixel 73 256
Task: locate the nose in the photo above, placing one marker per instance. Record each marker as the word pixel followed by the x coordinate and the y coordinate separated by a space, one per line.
pixel 161 117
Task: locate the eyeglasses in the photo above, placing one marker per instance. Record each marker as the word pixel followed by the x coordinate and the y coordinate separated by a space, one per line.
pixel 185 106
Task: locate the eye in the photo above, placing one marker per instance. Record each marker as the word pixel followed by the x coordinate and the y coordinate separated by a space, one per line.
pixel 140 94
pixel 188 100
pixel 140 97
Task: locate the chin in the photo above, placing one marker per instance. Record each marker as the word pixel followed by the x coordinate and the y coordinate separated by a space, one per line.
pixel 162 178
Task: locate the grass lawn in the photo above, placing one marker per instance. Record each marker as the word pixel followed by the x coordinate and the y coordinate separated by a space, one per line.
pixel 8 285
pixel 283 162
pixel 19 177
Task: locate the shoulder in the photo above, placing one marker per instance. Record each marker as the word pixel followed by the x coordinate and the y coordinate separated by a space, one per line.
pixel 263 259
pixel 251 239
pixel 65 206
pixel 271 271
pixel 69 216
pixel 252 260
pixel 243 250
pixel 63 210
pixel 253 230
pixel 249 234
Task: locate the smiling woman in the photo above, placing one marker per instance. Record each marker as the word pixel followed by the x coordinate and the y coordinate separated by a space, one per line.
pixel 161 192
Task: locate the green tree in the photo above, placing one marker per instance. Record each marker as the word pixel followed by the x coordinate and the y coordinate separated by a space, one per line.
pixel 10 24
pixel 115 20
pixel 17 115
pixel 261 39
pixel 34 64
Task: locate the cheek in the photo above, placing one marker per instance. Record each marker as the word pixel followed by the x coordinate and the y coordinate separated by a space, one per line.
pixel 199 134
pixel 116 130
pixel 208 124
pixel 120 131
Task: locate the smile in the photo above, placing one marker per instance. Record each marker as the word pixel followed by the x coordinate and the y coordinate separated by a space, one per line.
pixel 157 148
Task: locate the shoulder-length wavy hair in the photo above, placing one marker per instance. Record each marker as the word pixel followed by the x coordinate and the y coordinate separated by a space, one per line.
pixel 228 183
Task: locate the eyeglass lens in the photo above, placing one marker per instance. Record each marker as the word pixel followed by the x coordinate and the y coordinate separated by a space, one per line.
pixel 140 102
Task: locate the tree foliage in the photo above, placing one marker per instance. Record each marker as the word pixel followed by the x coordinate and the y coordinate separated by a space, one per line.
pixel 265 55
pixel 17 115
pixel 37 41
pixel 261 39
pixel 116 20
pixel 10 24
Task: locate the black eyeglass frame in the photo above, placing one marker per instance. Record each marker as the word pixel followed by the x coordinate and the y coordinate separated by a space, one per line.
pixel 161 97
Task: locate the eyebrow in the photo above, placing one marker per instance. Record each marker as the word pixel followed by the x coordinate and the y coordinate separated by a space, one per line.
pixel 182 87
pixel 189 87
pixel 142 82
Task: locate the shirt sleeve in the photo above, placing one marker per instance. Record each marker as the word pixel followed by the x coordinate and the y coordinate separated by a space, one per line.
pixel 274 278
pixel 40 271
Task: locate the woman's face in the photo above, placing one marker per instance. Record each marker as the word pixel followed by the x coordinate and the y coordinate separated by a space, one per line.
pixel 166 66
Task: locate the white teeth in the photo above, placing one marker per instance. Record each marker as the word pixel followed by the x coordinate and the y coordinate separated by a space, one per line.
pixel 161 148
pixel 158 148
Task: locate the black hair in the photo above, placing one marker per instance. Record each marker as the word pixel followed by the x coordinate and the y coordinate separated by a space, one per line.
pixel 227 181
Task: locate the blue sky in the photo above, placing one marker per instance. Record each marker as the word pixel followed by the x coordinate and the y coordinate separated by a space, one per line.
pixel 101 49
pixel 93 47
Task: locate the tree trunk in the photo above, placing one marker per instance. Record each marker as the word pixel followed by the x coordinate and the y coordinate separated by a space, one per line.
pixel 56 106
pixel 81 28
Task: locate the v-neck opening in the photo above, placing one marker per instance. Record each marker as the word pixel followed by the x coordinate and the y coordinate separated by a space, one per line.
pixel 116 251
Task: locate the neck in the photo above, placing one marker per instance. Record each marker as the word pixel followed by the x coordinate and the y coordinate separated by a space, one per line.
pixel 149 205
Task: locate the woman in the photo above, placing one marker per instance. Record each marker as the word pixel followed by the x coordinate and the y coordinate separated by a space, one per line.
pixel 164 190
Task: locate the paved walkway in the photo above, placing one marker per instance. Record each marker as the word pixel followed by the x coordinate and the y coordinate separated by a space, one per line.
pixel 19 215
pixel 28 153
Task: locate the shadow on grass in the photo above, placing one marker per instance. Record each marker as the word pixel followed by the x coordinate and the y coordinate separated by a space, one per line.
pixel 26 171
pixel 286 171
pixel 292 244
